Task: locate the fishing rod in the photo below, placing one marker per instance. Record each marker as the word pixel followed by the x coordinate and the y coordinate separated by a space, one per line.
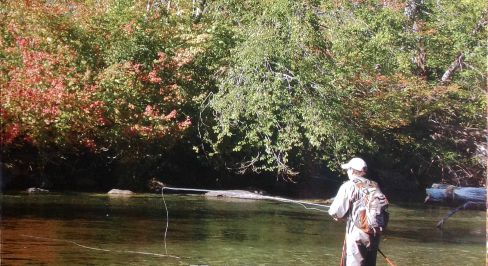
pixel 389 261
pixel 343 256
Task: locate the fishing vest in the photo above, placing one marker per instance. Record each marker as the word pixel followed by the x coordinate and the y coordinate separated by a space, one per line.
pixel 370 210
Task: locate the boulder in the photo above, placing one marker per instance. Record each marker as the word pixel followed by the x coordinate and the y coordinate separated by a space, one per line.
pixel 37 190
pixel 120 192
pixel 241 194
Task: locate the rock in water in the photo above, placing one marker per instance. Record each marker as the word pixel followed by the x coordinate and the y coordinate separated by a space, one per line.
pixel 120 192
pixel 241 194
pixel 37 190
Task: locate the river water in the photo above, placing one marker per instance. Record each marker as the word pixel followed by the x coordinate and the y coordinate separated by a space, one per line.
pixel 95 229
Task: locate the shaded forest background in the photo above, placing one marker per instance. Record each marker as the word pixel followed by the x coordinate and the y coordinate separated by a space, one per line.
pixel 272 95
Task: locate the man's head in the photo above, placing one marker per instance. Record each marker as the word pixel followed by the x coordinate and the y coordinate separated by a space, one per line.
pixel 356 167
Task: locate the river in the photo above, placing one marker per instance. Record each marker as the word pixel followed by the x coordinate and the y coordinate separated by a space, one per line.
pixel 96 229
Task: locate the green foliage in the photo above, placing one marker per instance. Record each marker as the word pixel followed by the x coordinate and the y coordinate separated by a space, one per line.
pixel 273 86
pixel 450 30
pixel 279 100
pixel 325 81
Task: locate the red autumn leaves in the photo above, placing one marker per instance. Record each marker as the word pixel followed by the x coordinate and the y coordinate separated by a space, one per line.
pixel 47 100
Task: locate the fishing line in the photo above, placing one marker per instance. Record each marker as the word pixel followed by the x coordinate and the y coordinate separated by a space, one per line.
pixel 167 221
pixel 102 249
pixel 301 203
pixel 255 197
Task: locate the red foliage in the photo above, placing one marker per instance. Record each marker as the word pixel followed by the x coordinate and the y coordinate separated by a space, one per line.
pixel 184 124
pixel 47 100
pixel 37 102
pixel 11 132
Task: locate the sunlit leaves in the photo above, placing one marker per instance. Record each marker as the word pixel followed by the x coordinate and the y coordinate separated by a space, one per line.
pixel 90 75
pixel 274 86
pixel 331 80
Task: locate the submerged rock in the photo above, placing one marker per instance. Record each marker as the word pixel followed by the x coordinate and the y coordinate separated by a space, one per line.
pixel 37 190
pixel 241 194
pixel 120 192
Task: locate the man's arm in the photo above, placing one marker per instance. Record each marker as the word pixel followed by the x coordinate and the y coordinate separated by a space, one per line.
pixel 340 206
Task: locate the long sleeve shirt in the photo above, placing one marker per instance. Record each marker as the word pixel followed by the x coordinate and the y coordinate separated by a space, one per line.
pixel 343 202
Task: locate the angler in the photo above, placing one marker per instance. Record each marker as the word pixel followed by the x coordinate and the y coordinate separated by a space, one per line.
pixel 361 202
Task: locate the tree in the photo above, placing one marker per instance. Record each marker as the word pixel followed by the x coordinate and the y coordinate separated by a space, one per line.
pixel 322 81
pixel 90 79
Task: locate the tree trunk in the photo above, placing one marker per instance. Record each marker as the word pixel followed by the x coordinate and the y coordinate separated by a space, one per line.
pixel 198 7
pixel 412 11
pixel 459 61
pixel 455 65
pixel 466 198
pixel 455 195
pixel 465 206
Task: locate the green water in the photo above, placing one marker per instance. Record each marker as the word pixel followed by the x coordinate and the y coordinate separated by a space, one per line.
pixel 89 229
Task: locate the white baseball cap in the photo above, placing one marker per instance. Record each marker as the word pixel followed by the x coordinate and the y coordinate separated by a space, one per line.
pixel 355 163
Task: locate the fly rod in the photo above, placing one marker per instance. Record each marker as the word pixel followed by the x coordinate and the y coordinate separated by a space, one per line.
pixel 389 261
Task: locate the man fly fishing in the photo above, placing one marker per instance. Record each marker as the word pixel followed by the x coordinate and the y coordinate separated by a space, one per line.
pixel 361 202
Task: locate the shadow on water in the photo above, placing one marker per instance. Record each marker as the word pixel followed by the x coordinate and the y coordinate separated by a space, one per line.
pixel 216 232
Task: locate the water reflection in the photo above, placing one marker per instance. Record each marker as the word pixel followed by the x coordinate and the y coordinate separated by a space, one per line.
pixel 22 250
pixel 216 232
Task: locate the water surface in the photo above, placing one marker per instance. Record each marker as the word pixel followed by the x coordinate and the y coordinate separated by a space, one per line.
pixel 94 229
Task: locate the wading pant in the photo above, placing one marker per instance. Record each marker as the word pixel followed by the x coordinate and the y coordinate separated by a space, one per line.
pixel 361 248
